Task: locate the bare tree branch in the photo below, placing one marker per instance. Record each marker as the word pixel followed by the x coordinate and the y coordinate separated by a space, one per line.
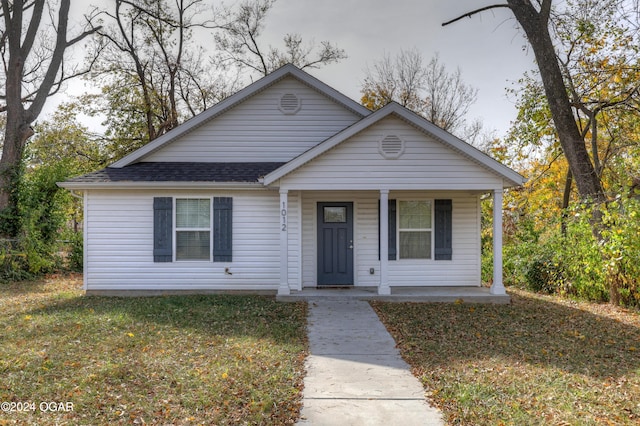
pixel 474 12
pixel 32 62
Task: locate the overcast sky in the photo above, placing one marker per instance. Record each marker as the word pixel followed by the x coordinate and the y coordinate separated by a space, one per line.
pixel 488 48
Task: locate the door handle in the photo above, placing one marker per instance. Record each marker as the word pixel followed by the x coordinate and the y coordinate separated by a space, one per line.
pixel 351 244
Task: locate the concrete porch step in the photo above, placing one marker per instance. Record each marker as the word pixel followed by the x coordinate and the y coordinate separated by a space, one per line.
pixel 401 294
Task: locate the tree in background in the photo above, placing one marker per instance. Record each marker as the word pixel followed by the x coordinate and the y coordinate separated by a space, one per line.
pixel 596 51
pixel 239 43
pixel 33 42
pixel 535 19
pixel 47 215
pixel 429 90
pixel 154 76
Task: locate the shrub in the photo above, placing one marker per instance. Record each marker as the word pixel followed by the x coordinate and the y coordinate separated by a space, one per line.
pixel 13 262
pixel 36 223
pixel 575 263
pixel 544 275
pixel 621 250
pixel 76 252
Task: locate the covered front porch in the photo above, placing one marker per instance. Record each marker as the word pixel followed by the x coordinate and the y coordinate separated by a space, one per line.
pixel 376 276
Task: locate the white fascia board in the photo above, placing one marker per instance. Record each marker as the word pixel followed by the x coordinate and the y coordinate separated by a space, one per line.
pixel 426 126
pixel 237 98
pixel 161 185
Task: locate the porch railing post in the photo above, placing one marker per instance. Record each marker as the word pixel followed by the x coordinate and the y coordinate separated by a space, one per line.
pixel 384 288
pixel 497 287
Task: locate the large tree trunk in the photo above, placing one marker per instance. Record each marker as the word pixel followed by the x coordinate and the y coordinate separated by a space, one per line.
pixel 19 41
pixel 536 27
pixel 17 129
pixel 17 134
pixel 535 23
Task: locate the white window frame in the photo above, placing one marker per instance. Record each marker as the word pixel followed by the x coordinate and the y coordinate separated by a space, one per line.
pixel 176 229
pixel 399 230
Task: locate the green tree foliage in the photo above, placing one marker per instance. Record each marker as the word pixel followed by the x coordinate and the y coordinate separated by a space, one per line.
pixel 153 73
pixel 551 248
pixel 45 215
pixel 33 42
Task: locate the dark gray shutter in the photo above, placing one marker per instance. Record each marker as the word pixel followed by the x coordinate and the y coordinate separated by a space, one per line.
pixel 392 230
pixel 443 230
pixel 162 229
pixel 222 229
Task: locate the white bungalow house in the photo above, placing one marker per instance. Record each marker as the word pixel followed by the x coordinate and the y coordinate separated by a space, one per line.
pixel 289 185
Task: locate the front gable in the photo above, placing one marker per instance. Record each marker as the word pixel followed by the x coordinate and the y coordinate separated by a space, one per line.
pixel 274 119
pixel 395 150
pixel 361 162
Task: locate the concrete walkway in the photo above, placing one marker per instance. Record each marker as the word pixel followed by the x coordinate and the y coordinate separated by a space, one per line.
pixel 355 375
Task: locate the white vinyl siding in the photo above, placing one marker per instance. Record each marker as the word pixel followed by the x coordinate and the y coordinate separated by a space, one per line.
pixel 119 245
pixel 426 164
pixel 257 130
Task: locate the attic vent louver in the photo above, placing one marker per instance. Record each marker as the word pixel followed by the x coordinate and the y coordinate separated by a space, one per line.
pixel 391 147
pixel 289 103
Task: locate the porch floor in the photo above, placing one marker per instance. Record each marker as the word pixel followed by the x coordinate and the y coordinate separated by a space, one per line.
pixel 401 294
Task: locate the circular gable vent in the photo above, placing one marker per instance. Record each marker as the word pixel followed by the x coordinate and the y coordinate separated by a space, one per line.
pixel 289 103
pixel 391 147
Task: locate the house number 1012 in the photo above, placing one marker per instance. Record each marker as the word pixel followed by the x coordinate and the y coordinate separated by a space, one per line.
pixel 283 215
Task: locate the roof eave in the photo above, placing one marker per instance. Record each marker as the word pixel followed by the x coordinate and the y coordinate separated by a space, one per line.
pixel 79 186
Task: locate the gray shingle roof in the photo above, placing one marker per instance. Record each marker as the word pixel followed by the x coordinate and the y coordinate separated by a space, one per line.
pixel 180 172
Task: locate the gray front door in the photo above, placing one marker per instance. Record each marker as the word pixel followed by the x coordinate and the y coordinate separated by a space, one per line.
pixel 335 243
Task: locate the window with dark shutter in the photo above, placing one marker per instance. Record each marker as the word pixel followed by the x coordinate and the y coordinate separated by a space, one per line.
pixel 443 230
pixel 222 229
pixel 162 229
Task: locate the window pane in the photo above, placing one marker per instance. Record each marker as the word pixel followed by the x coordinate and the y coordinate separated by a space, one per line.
pixel 193 245
pixel 415 245
pixel 335 215
pixel 193 213
pixel 415 214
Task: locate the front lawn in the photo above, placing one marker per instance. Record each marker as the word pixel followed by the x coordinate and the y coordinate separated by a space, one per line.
pixel 539 361
pixel 217 359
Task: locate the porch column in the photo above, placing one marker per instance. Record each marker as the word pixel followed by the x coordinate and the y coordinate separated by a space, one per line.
pixel 384 288
pixel 497 287
pixel 283 288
